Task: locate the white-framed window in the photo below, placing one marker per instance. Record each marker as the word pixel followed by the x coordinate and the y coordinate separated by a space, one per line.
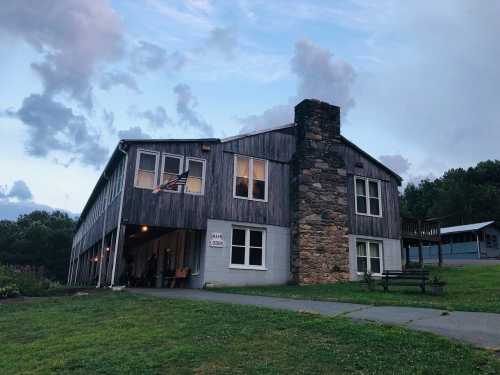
pixel 171 166
pixel 146 169
pixel 248 248
pixel 369 256
pixel 250 178
pixel 196 178
pixel 368 196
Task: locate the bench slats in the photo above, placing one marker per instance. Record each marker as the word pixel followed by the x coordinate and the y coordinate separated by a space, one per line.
pixel 405 278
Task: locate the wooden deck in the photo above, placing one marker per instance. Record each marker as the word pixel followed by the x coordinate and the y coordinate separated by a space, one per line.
pixel 420 230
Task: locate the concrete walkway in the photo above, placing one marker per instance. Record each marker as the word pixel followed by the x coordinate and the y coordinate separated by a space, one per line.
pixel 480 329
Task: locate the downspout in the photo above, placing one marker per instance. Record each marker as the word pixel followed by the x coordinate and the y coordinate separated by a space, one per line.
pixel 118 226
pixel 103 229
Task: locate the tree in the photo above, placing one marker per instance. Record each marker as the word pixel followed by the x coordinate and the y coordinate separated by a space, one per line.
pixel 459 197
pixel 38 239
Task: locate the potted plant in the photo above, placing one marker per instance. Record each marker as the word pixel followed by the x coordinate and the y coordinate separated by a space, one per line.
pixel 437 286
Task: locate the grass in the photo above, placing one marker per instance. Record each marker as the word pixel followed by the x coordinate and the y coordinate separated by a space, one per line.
pixel 469 288
pixel 119 333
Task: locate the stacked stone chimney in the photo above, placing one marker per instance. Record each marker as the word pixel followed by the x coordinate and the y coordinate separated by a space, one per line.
pixel 320 249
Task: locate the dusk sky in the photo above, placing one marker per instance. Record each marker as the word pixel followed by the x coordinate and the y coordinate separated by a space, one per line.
pixel 417 81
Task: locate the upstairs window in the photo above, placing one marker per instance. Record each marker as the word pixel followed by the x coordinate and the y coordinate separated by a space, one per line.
pixel 247 248
pixel 368 197
pixel 171 167
pixel 196 177
pixel 146 167
pixel 250 178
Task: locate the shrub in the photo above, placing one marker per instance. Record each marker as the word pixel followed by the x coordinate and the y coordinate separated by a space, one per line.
pixel 8 286
pixel 369 281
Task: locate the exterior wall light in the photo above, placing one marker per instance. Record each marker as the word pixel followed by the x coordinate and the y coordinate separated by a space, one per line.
pixel 144 228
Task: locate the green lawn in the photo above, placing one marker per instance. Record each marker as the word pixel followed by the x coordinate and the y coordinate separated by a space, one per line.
pixel 470 288
pixel 118 333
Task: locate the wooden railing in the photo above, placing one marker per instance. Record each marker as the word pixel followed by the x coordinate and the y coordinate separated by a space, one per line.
pixel 420 230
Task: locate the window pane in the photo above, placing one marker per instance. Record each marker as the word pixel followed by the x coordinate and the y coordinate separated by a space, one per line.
pixel 238 255
pixel 374 250
pixel 239 237
pixel 255 256
pixel 374 206
pixel 242 187
pixel 145 179
pixel 360 187
pixel 361 264
pixel 147 162
pixel 242 169
pixel 361 249
pixel 172 165
pixel 195 168
pixel 373 188
pixel 259 170
pixel 256 238
pixel 361 204
pixel 193 185
pixel 375 265
pixel 259 189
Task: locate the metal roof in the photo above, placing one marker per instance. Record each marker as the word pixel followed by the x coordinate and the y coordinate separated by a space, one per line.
pixel 466 228
pixel 256 132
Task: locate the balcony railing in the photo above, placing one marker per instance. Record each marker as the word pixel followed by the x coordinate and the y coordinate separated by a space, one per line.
pixel 420 230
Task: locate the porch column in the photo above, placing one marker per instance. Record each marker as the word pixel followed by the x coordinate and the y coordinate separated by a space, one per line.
pixel 440 254
pixel 420 255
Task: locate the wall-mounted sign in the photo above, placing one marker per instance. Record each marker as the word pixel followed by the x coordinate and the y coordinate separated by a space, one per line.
pixel 216 240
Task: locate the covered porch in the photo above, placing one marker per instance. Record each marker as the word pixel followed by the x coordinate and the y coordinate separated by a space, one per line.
pixel 159 257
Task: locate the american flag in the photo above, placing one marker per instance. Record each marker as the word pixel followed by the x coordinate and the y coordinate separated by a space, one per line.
pixel 179 180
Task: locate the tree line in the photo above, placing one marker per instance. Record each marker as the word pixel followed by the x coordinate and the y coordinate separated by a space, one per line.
pixel 38 239
pixel 460 196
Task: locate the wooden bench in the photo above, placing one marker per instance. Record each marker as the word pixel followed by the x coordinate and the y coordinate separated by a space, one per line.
pixel 411 277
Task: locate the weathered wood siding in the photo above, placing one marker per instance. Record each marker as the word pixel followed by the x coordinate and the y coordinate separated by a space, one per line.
pixel 387 226
pixel 192 211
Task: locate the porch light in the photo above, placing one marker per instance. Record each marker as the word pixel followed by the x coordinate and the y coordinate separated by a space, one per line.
pixel 96 259
pixel 107 248
pixel 144 228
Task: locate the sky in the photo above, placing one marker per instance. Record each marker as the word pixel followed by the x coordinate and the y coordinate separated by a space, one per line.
pixel 417 81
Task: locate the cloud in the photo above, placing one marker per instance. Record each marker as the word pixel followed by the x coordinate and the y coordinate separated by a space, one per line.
pixel 73 36
pixel 20 191
pixel 223 40
pixel 109 119
pixel 12 210
pixel 134 132
pixel 274 116
pixel 397 163
pixel 157 118
pixel 147 56
pixel 435 87
pixel 54 127
pixel 114 78
pixel 186 104
pixel 320 76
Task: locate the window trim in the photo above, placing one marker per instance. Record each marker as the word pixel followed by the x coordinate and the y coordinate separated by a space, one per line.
pixel 367 241
pixel 181 168
pixel 203 174
pixel 250 178
pixel 137 162
pixel 367 196
pixel 247 266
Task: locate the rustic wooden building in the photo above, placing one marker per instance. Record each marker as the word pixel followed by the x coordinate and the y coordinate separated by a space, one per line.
pixel 296 202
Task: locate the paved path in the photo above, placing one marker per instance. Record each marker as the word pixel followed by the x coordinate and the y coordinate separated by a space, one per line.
pixel 480 329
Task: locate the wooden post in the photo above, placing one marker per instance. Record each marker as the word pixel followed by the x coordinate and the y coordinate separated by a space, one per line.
pixel 420 255
pixel 407 250
pixel 440 254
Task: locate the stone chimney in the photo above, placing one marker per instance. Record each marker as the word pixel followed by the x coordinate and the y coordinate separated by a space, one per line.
pixel 320 249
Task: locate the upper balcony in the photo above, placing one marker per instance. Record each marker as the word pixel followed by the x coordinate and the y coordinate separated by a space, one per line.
pixel 420 230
